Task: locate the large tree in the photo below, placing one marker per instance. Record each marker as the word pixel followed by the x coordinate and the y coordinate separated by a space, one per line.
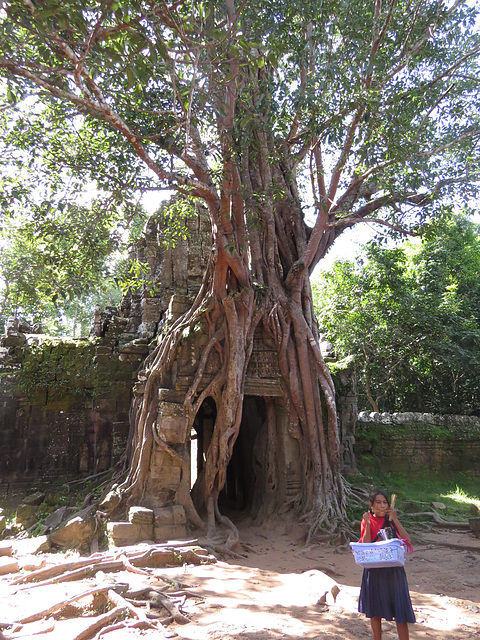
pixel 291 122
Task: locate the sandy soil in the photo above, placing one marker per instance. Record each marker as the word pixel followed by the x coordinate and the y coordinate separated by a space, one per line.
pixel 274 591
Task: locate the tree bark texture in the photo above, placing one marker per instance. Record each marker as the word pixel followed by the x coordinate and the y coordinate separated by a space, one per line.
pixel 253 281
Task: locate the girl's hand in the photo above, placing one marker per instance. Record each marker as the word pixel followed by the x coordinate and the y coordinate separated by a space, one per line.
pixel 367 536
pixel 392 515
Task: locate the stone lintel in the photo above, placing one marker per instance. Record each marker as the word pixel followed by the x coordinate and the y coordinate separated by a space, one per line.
pixel 264 387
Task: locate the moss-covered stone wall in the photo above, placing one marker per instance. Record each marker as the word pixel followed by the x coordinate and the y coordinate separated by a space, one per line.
pixel 64 406
pixel 417 442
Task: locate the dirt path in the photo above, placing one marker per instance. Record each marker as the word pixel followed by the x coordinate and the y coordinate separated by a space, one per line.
pixel 268 595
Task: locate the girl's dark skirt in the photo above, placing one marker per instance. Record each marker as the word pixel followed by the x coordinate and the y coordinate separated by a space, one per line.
pixel 384 594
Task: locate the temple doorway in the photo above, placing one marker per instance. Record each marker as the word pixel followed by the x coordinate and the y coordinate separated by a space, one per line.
pixel 238 492
pixel 237 495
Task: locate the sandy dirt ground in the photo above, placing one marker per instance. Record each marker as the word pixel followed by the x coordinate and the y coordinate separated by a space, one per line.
pixel 273 592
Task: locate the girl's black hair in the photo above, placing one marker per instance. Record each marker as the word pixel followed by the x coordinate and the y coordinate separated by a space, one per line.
pixel 374 494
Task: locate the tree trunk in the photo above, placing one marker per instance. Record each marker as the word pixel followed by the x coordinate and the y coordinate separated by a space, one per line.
pixel 258 276
pixel 286 313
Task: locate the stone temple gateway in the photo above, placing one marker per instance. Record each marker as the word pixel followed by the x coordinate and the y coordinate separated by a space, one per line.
pixel 265 464
pixel 264 443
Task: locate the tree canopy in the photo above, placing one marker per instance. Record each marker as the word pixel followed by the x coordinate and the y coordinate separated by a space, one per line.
pixel 292 122
pixel 411 317
pixel 379 101
pixel 58 260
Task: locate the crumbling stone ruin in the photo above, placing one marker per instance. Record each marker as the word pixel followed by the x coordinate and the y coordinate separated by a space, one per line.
pixel 64 404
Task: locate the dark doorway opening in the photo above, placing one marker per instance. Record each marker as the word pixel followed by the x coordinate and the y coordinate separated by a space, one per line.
pixel 242 484
pixel 238 492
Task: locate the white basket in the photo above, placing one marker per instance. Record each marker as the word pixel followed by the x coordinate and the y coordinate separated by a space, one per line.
pixel 386 553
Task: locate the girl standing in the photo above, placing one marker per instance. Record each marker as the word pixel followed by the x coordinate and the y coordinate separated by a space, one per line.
pixel 384 591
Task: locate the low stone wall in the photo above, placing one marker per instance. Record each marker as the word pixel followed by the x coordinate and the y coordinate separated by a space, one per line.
pixel 64 407
pixel 417 442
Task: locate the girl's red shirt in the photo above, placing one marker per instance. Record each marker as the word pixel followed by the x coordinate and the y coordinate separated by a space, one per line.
pixel 375 525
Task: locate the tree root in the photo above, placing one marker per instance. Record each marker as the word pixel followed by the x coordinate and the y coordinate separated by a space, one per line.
pixel 162 600
pixel 233 536
pixel 122 606
pixel 439 521
pixel 159 599
pixel 133 561
pixel 449 545
pixel 125 624
pixel 118 601
pixel 60 605
pixel 100 622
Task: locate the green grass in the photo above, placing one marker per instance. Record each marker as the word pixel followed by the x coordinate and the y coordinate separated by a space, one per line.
pixel 461 497
pixel 458 493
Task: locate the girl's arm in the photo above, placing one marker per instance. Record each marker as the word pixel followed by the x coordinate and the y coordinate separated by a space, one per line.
pixel 365 528
pixel 392 514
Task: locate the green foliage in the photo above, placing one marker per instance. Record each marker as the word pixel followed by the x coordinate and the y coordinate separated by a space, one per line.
pixel 133 98
pixel 351 110
pixel 173 219
pixel 457 493
pixel 411 317
pixel 53 262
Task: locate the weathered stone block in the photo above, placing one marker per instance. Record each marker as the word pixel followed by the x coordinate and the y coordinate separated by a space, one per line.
pixel 54 519
pixel 264 387
pixel 111 501
pixel 172 423
pixel 34 498
pixel 170 395
pixel 151 309
pixel 164 471
pixel 135 348
pixel 178 304
pixel 140 515
pixel 125 533
pixel 74 533
pixel 170 532
pixel 26 515
pixel 474 525
pixel 170 516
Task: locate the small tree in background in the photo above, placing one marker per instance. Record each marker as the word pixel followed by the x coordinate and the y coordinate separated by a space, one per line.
pixel 57 262
pixel 411 317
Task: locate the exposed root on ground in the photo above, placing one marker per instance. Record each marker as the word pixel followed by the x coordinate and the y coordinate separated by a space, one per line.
pixel 127 610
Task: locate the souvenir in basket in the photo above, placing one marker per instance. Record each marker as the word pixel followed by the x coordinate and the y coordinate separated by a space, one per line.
pixel 386 553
